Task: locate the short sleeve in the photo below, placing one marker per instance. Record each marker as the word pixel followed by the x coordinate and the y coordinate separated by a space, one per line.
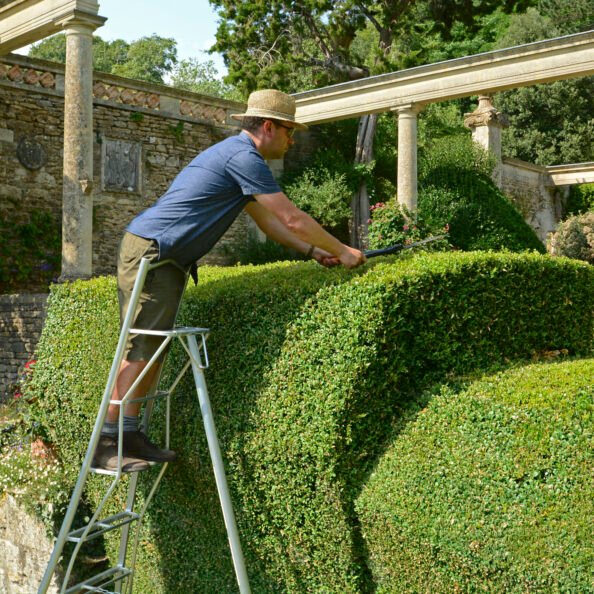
pixel 249 170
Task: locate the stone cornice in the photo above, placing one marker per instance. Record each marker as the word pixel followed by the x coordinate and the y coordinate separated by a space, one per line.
pixel 25 21
pixel 575 173
pixel 524 65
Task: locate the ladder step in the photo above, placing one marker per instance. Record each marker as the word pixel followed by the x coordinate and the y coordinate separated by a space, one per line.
pixel 102 526
pixel 97 582
pixel 180 331
pixel 155 396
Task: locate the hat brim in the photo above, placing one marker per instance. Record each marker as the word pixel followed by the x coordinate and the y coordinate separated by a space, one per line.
pixel 269 116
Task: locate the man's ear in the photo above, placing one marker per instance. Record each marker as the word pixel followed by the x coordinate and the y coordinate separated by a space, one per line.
pixel 268 127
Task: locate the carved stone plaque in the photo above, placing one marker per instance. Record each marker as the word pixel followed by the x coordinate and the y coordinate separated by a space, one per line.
pixel 31 153
pixel 121 166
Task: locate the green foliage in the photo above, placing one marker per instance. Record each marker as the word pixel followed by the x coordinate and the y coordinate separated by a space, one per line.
pixel 202 77
pixel 392 223
pixel 456 189
pixel 254 251
pixel 552 123
pixel 296 46
pixel 574 238
pixel 489 488
pixel 147 58
pixel 309 367
pixel 581 199
pixel 322 194
pixel 31 252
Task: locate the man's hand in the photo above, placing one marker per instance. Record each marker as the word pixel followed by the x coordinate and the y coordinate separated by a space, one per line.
pixel 325 258
pixel 351 257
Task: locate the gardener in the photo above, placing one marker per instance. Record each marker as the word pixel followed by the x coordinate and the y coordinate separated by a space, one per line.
pixel 183 225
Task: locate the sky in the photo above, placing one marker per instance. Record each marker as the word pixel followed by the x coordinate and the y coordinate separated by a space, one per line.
pixel 192 23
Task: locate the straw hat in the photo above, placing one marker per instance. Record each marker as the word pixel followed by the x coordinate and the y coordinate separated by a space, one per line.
pixel 271 104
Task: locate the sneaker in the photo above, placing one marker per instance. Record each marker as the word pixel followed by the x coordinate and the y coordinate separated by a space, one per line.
pixel 138 445
pixel 106 457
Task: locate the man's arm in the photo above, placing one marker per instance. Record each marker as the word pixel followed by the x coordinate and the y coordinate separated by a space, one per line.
pixel 269 224
pixel 306 229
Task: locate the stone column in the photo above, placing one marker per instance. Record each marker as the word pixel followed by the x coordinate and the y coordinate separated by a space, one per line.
pixel 486 124
pixel 77 205
pixel 407 155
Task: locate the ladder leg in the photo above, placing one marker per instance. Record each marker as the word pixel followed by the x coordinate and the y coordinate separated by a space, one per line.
pixel 219 469
pixel 77 492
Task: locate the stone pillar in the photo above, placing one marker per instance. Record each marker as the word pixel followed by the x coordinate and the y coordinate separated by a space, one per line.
pixel 486 124
pixel 407 155
pixel 77 207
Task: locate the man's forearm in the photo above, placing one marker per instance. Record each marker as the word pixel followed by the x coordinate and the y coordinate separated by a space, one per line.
pixel 269 224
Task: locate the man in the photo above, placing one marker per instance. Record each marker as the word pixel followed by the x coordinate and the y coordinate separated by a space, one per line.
pixel 183 225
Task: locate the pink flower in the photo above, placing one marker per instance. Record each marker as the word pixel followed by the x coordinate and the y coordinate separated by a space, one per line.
pixel 17 395
pixel 405 227
pixel 30 364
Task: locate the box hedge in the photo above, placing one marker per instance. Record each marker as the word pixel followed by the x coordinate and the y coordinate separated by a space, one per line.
pixel 309 367
pixel 490 488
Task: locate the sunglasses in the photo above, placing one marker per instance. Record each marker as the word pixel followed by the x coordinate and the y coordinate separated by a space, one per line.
pixel 290 131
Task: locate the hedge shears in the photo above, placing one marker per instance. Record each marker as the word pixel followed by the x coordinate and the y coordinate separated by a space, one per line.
pixel 394 249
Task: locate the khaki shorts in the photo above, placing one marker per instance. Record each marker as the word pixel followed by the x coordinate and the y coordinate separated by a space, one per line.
pixel 159 300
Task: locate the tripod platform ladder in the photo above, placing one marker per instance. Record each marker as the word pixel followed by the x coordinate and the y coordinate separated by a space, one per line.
pixel 120 578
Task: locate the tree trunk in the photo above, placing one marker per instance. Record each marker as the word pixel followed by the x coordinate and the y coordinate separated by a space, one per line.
pixel 360 200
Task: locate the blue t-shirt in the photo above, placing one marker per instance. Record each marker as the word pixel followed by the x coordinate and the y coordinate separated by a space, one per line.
pixel 204 199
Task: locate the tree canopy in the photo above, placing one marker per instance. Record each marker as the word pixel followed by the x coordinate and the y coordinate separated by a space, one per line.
pixel 299 44
pixel 148 58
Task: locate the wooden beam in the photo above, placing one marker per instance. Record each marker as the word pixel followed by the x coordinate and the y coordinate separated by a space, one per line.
pixel 544 61
pixel 25 21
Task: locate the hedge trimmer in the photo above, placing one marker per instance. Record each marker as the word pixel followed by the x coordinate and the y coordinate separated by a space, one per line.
pixel 394 249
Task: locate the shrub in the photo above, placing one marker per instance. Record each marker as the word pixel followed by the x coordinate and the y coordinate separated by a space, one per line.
pixel 31 252
pixel 489 489
pixel 581 199
pixel 455 189
pixel 392 223
pixel 324 195
pixel 574 238
pixel 308 368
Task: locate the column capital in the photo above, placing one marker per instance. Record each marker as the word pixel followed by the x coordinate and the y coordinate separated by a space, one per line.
pixel 81 22
pixel 485 115
pixel 408 109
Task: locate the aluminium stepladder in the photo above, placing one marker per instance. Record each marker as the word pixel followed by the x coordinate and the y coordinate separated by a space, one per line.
pixel 120 577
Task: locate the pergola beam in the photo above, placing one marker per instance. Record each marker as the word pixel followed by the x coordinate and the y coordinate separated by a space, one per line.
pixel 544 61
pixel 25 21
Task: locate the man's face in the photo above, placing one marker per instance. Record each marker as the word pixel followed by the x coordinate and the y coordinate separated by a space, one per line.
pixel 280 140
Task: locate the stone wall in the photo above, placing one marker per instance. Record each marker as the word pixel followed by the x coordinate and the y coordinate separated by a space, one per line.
pixel 533 192
pixel 143 135
pixel 21 321
pixel 24 550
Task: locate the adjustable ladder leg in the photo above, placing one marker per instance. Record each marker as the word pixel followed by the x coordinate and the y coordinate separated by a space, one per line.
pixel 217 463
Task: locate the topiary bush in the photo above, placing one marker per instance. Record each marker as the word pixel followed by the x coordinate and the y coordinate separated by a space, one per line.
pixel 456 189
pixel 309 367
pixel 490 488
pixel 574 238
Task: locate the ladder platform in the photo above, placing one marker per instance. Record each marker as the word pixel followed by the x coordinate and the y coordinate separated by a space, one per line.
pixel 102 526
pixel 97 582
pixel 179 331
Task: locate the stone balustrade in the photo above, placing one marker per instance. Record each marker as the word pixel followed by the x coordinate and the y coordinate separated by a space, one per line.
pixel 118 91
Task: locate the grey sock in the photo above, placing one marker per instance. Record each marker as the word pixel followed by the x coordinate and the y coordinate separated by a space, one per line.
pixel 130 423
pixel 110 429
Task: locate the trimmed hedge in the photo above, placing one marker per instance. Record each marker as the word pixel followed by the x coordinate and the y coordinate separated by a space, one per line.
pixel 490 488
pixel 308 369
